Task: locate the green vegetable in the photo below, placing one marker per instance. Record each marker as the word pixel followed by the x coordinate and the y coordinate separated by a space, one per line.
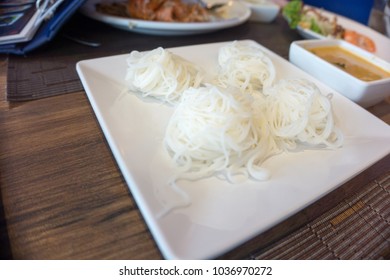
pixel 315 27
pixel 292 12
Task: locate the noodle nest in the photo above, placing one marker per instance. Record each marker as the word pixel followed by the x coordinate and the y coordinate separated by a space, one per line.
pixel 229 128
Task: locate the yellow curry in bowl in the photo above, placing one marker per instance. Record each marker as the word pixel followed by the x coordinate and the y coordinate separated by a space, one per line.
pixel 351 63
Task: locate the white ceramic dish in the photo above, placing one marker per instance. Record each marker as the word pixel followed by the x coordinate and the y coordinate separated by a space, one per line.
pixel 222 215
pixel 262 10
pixel 382 42
pixel 364 93
pixel 236 14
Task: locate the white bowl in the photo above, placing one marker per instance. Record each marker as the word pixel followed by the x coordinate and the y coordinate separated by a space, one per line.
pixel 262 10
pixel 361 92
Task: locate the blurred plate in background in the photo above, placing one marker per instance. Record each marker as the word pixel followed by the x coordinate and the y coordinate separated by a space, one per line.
pixel 234 14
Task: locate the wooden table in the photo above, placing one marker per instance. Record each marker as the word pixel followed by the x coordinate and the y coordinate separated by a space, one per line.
pixel 62 193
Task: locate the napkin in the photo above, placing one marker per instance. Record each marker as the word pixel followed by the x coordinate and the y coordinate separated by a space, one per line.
pixel 47 30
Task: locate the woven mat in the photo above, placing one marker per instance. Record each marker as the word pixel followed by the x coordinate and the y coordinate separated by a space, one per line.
pixel 357 228
pixel 50 70
pixel 30 79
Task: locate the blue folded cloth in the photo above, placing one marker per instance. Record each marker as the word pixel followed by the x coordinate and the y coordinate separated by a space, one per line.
pixel 47 30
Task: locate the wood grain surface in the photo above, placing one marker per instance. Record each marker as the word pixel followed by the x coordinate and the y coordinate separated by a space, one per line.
pixel 63 196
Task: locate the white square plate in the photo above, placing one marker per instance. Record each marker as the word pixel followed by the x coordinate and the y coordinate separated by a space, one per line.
pixel 221 216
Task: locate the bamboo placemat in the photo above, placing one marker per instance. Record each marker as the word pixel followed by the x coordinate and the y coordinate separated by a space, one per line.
pixel 357 228
pixel 40 77
pixel 51 69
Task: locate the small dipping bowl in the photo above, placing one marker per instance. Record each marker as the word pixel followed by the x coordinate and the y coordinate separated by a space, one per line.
pixel 262 10
pixel 305 54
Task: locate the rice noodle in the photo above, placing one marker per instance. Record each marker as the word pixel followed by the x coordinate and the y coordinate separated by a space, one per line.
pixel 297 112
pixel 161 74
pixel 244 65
pixel 230 129
pixel 214 132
